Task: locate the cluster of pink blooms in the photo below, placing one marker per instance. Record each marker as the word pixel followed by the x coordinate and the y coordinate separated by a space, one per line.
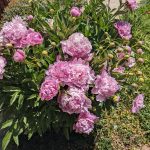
pixel 132 4
pixel 124 29
pixel 2 66
pixel 17 33
pixel 138 103
pixel 73 72
pixel 77 75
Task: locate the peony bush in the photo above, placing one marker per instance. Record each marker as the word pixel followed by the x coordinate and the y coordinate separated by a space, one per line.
pixel 63 62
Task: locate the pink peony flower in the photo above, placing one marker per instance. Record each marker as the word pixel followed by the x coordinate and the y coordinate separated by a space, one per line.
pixel 19 56
pixel 74 101
pixel 121 55
pixel 105 86
pixel 77 46
pixel 30 18
pixel 130 62
pixel 132 4
pixel 72 73
pixel 2 65
pixel 75 12
pixel 138 103
pixel 119 69
pixel 32 38
pixel 124 29
pixel 49 89
pixel 85 123
pixel 13 31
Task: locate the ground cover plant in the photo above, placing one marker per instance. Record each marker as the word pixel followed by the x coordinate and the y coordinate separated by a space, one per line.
pixel 68 72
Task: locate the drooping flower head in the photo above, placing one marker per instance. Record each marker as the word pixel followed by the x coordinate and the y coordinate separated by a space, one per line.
pixel 132 4
pixel 124 29
pixel 74 100
pixel 85 123
pixel 16 29
pixel 3 63
pixel 77 46
pixel 75 12
pixel 138 103
pixel 49 89
pixel 105 86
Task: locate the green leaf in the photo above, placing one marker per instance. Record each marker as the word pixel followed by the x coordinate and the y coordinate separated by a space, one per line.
pixel 14 97
pixel 30 135
pixel 6 140
pixel 20 101
pixel 32 96
pixel 16 140
pixel 11 89
pixel 6 124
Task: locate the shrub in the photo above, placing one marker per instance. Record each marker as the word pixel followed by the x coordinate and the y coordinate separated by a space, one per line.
pixel 77 46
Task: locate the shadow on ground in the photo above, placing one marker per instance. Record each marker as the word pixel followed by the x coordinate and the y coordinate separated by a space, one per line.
pixel 56 142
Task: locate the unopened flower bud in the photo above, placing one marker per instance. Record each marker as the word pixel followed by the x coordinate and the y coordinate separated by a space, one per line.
pixel 74 18
pixel 134 85
pixel 131 74
pixel 107 39
pixel 101 48
pixel 9 45
pixel 53 44
pixel 116 98
pixel 119 49
pixel 139 73
pixel 52 11
pixel 139 51
pixel 141 60
pixel 127 56
pixel 110 56
pixel 45 52
pixel 140 43
pixel 106 33
pixel 112 44
pixel 141 79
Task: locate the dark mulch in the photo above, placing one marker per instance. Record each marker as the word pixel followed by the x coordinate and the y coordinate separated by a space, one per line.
pixel 55 141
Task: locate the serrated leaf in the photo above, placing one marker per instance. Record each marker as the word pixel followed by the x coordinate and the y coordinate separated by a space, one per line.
pixel 6 140
pixel 14 97
pixel 6 124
